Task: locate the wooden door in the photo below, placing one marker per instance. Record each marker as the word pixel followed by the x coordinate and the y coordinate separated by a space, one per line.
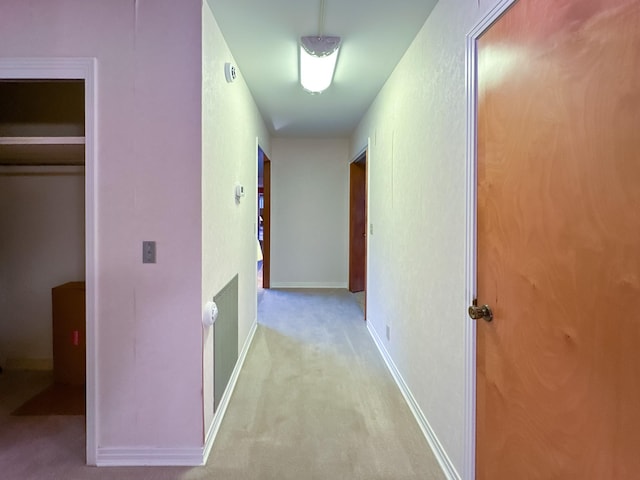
pixel 357 225
pixel 558 368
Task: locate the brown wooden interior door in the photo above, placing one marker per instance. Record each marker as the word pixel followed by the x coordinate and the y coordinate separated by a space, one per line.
pixel 357 225
pixel 266 223
pixel 558 368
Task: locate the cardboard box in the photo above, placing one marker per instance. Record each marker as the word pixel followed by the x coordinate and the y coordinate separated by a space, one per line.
pixel 69 347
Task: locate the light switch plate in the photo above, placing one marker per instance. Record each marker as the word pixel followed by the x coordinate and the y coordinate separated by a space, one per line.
pixel 148 252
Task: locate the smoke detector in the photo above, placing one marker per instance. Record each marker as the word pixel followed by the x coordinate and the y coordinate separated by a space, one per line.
pixel 230 72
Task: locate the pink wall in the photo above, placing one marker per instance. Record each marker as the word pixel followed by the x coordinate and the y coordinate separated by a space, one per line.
pixel 148 188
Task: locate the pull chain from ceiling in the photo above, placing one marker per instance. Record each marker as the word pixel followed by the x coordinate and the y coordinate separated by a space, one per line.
pixel 321 22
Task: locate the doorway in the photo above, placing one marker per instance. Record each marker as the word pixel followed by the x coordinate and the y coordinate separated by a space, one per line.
pixel 358 226
pixel 30 148
pixel 557 240
pixel 264 219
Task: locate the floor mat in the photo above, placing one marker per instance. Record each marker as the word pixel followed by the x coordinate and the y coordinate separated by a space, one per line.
pixel 57 399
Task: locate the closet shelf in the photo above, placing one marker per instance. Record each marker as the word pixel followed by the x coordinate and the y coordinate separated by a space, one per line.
pixel 41 140
pixel 42 150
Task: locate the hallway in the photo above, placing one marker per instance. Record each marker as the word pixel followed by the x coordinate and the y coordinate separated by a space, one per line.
pixel 314 400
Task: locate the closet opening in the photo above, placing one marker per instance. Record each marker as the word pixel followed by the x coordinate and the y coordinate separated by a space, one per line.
pixel 42 246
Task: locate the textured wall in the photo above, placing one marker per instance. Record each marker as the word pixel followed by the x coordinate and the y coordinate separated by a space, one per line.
pixel 41 246
pixel 148 188
pixel 417 206
pixel 309 212
pixel 230 125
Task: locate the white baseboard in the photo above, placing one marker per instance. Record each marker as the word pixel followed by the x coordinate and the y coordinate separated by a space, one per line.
pixel 226 396
pixel 149 457
pixel 308 285
pixel 439 452
pixel 40 364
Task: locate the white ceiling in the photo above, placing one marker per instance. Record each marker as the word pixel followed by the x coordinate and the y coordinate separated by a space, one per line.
pixel 263 37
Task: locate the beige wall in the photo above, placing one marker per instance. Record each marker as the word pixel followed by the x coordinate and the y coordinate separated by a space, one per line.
pixel 309 212
pixel 230 125
pixel 416 273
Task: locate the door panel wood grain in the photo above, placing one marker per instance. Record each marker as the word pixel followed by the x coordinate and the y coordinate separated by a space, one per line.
pixel 357 225
pixel 558 369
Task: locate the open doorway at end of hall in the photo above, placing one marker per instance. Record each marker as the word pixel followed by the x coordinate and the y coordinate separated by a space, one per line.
pixel 358 228
pixel 264 221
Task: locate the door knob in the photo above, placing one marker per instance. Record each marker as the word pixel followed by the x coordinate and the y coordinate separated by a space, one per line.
pixel 483 312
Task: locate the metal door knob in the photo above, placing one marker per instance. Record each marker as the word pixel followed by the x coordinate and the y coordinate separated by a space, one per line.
pixel 483 312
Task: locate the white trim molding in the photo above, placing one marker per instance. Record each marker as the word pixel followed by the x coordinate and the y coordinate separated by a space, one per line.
pixel 226 396
pixel 471 72
pixel 309 285
pixel 80 69
pixel 149 457
pixel 438 450
pixel 38 364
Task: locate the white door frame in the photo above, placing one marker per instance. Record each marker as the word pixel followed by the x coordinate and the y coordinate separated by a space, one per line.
pixel 469 466
pixel 79 69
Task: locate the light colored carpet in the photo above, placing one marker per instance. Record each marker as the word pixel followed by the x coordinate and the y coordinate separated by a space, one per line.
pixel 313 401
pixel 360 298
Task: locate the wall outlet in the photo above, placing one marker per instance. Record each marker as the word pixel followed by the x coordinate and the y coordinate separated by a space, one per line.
pixel 371 229
pixel 388 332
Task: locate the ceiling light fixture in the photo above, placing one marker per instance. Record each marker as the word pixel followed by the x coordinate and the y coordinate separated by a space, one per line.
pixel 318 57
